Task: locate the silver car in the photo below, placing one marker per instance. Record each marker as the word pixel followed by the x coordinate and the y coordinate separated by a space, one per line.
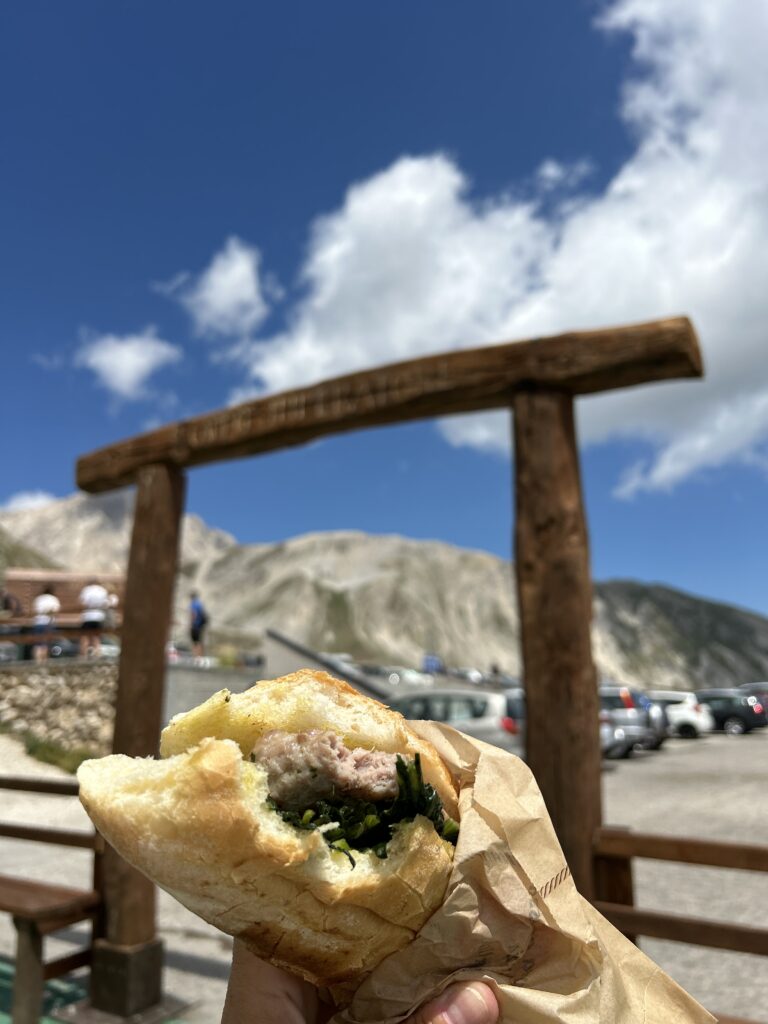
pixel 642 722
pixel 497 718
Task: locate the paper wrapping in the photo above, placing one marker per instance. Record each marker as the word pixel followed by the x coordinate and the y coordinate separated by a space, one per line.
pixel 513 918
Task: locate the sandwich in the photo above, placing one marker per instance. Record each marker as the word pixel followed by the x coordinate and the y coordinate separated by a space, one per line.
pixel 300 817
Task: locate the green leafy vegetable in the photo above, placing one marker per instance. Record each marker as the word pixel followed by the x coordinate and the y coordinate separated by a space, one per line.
pixel 363 825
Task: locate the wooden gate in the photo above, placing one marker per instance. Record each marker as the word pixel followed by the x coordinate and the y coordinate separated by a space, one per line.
pixel 538 380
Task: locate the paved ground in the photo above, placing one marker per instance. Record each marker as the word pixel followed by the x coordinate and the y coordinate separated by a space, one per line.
pixel 714 788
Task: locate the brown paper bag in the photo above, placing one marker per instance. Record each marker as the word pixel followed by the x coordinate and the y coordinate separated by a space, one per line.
pixel 512 917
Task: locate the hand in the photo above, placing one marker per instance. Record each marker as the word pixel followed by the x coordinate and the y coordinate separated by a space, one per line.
pixel 261 994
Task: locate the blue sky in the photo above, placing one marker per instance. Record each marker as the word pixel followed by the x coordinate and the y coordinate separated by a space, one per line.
pixel 201 204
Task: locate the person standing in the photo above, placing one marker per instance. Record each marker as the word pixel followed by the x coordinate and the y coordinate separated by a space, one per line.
pixel 198 620
pixel 44 608
pixel 95 601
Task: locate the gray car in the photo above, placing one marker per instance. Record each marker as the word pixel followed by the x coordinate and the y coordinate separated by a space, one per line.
pixel 495 717
pixel 643 722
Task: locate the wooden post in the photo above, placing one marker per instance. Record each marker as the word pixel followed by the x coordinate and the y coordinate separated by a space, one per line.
pixel 555 601
pixel 29 980
pixel 131 945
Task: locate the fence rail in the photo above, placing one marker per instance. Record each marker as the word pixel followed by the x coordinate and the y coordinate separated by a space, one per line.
pixel 614 850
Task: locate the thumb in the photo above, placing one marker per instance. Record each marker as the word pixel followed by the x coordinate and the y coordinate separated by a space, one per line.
pixel 463 1003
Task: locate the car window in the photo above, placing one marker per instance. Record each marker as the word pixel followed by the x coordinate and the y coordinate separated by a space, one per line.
pixel 439 709
pixel 462 709
pixel 610 701
pixel 720 703
pixel 418 708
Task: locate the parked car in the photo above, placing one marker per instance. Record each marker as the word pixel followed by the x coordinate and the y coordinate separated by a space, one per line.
pixel 734 711
pixel 644 722
pixel 8 651
pixel 64 647
pixel 687 717
pixel 396 675
pixel 759 690
pixel 497 717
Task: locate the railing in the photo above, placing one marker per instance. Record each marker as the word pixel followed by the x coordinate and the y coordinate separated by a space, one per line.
pixel 614 850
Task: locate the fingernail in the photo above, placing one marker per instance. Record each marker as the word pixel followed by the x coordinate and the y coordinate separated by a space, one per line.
pixel 469 1006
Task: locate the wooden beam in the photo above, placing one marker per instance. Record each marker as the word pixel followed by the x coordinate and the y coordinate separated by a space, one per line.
pixel 129 896
pixel 658 924
pixel 555 606
pixel 622 843
pixel 32 784
pixel 580 362
pixel 56 836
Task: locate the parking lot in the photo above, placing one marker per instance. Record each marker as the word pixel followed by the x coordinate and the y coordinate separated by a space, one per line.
pixel 711 788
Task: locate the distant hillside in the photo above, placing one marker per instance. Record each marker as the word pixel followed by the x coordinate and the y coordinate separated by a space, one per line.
pixel 389 599
pixel 652 632
pixel 13 552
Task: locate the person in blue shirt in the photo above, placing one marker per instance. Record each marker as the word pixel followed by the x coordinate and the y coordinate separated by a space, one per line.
pixel 198 620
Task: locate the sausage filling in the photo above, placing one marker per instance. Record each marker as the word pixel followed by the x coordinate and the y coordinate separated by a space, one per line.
pixel 356 798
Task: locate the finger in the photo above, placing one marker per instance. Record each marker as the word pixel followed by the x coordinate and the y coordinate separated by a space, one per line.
pixel 261 994
pixel 463 1003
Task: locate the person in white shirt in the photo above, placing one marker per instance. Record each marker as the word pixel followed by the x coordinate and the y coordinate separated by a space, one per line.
pixel 44 608
pixel 95 601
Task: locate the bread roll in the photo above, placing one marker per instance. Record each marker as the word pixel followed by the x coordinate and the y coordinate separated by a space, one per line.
pixel 199 824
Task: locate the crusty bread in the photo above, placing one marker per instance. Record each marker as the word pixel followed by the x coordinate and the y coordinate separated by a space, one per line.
pixel 199 825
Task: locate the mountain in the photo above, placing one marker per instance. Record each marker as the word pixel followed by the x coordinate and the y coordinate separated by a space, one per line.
pixel 92 533
pixel 14 552
pixel 389 599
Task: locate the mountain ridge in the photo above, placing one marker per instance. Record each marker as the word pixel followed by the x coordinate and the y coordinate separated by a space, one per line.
pixel 390 599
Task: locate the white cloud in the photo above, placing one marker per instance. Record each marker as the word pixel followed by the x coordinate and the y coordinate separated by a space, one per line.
pixel 25 500
pixel 124 363
pixel 552 174
pixel 411 262
pixel 228 298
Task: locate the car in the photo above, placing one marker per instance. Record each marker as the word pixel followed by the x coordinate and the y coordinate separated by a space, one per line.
pixel 64 647
pixel 8 651
pixel 497 718
pixel 687 717
pixel 471 675
pixel 734 711
pixel 614 742
pixel 759 690
pixel 397 675
pixel 643 722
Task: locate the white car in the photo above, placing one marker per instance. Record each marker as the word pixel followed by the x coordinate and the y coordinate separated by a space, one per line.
pixel 687 718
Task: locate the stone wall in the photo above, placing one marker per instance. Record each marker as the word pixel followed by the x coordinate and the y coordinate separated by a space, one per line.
pixel 69 703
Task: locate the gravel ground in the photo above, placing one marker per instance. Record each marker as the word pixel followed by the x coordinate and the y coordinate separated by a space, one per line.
pixel 713 788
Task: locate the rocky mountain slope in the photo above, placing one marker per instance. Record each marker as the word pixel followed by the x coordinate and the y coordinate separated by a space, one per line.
pixel 15 552
pixel 389 599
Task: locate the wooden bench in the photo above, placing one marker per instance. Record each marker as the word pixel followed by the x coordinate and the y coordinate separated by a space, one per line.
pixel 614 849
pixel 40 908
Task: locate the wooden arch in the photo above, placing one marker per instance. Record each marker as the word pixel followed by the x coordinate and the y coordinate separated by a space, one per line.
pixel 538 380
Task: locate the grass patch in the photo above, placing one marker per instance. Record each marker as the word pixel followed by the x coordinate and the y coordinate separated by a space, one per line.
pixel 51 753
